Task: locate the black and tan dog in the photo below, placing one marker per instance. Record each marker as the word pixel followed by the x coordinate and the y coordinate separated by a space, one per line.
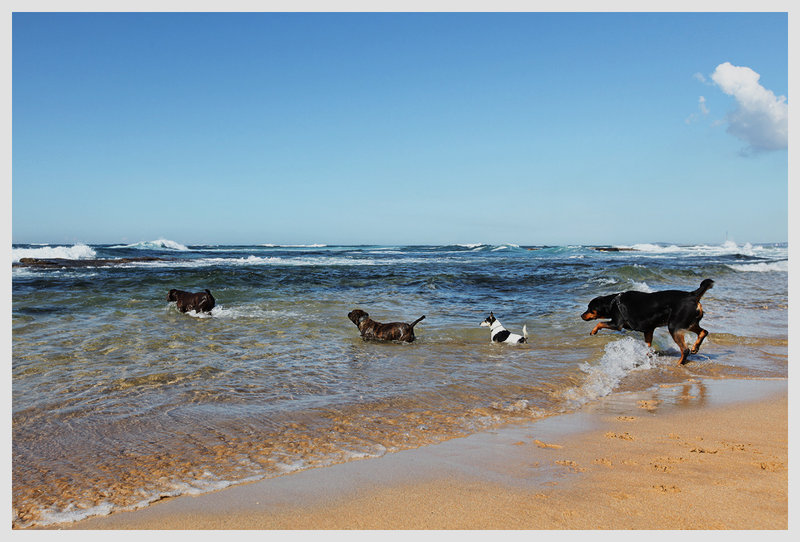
pixel 188 301
pixel 394 331
pixel 639 311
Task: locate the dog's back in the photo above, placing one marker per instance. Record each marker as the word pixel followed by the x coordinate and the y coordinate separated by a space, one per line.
pixel 393 331
pixel 647 310
pixel 499 334
pixel 188 301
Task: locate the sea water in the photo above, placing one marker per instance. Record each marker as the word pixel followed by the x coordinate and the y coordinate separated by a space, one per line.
pixel 120 400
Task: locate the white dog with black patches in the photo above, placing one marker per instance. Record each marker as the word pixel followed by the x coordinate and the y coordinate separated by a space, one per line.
pixel 501 334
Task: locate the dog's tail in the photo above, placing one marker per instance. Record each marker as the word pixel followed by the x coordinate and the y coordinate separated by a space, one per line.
pixel 705 285
pixel 418 320
pixel 525 331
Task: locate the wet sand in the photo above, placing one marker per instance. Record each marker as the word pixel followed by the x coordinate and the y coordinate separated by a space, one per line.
pixel 707 454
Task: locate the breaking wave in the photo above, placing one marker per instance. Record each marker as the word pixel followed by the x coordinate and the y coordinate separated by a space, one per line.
pixel 762 267
pixel 313 245
pixel 158 244
pixel 726 248
pixel 619 359
pixel 75 252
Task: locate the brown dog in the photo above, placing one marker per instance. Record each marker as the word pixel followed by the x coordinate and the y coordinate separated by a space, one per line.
pixel 394 331
pixel 188 301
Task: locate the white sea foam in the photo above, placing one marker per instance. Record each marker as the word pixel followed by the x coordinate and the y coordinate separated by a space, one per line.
pixel 75 252
pixel 196 314
pixel 313 245
pixel 619 359
pixel 245 311
pixel 205 262
pixel 641 287
pixel 158 244
pixel 70 514
pixel 505 246
pixel 30 272
pixel 647 247
pixel 726 248
pixel 762 267
pixel 286 261
pixel 294 466
pixel 604 281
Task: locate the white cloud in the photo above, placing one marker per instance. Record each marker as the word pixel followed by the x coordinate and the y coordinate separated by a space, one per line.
pixel 760 119
pixel 700 77
pixel 703 109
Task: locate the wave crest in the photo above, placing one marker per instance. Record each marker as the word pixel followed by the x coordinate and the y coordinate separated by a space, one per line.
pixel 762 267
pixel 313 245
pixel 75 252
pixel 726 248
pixel 158 244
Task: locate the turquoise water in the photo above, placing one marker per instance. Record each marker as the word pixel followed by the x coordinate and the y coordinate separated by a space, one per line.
pixel 120 400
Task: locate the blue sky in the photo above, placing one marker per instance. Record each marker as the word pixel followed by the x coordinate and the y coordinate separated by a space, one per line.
pixel 537 128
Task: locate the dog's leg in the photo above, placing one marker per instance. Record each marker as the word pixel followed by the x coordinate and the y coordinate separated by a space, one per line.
pixel 701 334
pixel 604 325
pixel 648 338
pixel 677 336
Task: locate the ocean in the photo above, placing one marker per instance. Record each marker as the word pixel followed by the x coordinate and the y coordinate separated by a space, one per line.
pixel 119 400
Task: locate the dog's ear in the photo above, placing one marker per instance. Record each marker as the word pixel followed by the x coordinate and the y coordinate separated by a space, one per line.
pixel 357 316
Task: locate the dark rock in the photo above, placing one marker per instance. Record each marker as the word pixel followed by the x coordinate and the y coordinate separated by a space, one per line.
pixel 56 263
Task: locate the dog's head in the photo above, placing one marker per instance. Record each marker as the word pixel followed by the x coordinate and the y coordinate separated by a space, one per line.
pixel 489 320
pixel 172 295
pixel 357 316
pixel 599 307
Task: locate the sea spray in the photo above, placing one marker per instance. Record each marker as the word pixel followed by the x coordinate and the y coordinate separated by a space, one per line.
pixel 619 360
pixel 75 252
pixel 762 267
pixel 158 244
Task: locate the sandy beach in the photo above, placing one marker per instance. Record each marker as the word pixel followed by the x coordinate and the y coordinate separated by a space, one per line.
pixel 680 456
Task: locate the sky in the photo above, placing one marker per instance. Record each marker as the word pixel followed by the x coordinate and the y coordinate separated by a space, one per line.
pixel 400 128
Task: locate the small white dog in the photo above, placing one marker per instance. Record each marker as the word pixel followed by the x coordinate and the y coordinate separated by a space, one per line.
pixel 501 334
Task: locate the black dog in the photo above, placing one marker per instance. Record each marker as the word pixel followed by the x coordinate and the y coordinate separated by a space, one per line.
pixel 679 311
pixel 188 301
pixel 370 329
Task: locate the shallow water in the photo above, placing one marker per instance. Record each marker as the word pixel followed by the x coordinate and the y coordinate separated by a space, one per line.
pixel 119 399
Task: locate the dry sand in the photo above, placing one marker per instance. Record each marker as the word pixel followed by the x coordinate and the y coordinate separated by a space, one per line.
pixel 679 457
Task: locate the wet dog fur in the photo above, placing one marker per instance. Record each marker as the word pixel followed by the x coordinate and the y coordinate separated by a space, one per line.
pixel 500 334
pixel 188 301
pixel 394 331
pixel 640 311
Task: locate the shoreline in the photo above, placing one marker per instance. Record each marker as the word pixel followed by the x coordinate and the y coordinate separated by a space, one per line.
pixel 631 460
